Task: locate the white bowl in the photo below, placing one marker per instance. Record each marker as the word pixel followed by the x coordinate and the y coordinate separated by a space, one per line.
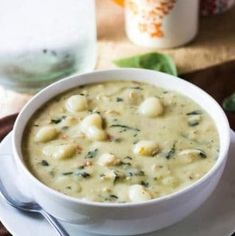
pixel 126 218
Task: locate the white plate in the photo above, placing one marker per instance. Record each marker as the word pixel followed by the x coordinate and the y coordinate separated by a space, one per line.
pixel 215 217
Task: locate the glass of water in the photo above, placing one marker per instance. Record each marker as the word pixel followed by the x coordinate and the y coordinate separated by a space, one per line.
pixel 43 41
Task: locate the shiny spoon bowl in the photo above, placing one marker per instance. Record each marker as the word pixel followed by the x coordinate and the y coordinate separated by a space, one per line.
pixel 30 206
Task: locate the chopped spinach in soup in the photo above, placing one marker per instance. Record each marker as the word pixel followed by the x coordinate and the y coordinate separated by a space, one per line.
pixel 120 141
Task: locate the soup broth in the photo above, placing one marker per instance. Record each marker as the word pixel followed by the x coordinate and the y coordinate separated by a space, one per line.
pixel 120 141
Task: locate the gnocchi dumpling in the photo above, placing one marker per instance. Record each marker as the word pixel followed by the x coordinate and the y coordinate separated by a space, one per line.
pixel 146 148
pixel 108 159
pixel 76 103
pixel 94 120
pixel 46 134
pixel 64 151
pixel 108 175
pixel 91 126
pixel 95 134
pixel 137 193
pixel 151 107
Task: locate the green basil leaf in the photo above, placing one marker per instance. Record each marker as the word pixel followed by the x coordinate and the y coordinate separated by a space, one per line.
pixel 152 61
pixel 229 103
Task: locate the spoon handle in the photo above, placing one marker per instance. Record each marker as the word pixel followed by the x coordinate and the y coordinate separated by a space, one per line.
pixel 55 223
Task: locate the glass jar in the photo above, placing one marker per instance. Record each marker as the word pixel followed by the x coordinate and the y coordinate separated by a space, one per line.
pixel 43 41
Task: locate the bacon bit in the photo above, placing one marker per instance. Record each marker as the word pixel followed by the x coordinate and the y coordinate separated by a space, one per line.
pixel 110 138
pixel 117 162
pixel 78 149
pixel 64 136
pixel 87 163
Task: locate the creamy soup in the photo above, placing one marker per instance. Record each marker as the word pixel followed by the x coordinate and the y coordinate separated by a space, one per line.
pixel 120 141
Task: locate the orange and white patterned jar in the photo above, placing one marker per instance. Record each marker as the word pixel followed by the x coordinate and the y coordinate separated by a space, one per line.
pixel 161 23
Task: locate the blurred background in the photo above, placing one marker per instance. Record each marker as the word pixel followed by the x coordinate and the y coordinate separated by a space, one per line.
pixel 212 44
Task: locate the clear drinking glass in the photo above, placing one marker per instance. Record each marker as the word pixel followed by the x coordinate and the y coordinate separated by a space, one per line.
pixel 42 41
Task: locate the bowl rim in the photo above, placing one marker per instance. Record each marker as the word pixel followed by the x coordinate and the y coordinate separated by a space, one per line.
pixel 19 161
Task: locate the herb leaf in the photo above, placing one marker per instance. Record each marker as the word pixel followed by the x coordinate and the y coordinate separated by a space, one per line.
pixel 124 127
pixel 171 152
pixel 152 61
pixel 113 196
pixel 144 183
pixel 198 112
pixel 44 163
pixel 67 173
pixel 83 174
pixel 201 153
pixel 229 103
pixel 193 123
pixel 137 88
pixel 118 99
pixel 91 154
pixel 57 120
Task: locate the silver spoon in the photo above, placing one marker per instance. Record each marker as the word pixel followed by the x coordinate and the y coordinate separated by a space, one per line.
pixel 31 206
